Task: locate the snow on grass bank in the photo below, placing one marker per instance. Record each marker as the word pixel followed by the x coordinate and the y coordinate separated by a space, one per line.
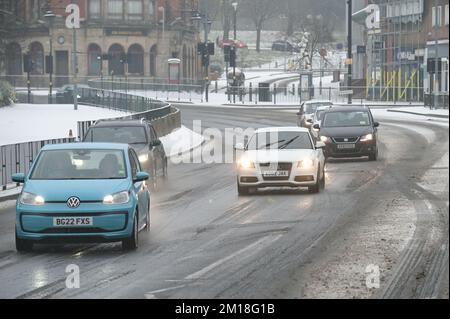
pixel 181 141
pixel 33 122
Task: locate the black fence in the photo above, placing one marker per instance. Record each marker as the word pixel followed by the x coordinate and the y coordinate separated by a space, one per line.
pixel 17 158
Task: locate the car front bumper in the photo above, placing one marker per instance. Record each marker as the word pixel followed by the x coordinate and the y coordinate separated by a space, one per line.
pixel 110 222
pixel 361 149
pixel 298 177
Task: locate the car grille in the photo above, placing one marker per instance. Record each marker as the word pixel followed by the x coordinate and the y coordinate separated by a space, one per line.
pixel 346 139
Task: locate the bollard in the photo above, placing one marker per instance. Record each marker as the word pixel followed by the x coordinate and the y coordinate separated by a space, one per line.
pixel 250 92
pixel 275 93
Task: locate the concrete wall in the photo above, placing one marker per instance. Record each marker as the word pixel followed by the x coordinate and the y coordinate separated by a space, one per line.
pixel 167 124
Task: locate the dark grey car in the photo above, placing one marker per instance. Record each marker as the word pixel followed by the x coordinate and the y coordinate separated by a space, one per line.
pixel 140 135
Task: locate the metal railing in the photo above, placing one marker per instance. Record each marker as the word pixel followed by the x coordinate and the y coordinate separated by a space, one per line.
pixel 15 158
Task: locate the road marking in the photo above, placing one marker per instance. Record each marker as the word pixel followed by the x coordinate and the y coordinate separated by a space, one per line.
pixel 151 294
pixel 261 242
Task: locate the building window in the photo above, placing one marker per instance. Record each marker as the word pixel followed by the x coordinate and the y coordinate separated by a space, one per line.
pixel 436 16
pixel 116 60
pixel 13 59
pixel 37 58
pixel 136 60
pixel 135 10
pixel 151 8
pixel 94 59
pixel 115 9
pixel 446 14
pixel 153 55
pixel 95 9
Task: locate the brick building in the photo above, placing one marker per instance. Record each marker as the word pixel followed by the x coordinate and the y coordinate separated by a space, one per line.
pixel 110 30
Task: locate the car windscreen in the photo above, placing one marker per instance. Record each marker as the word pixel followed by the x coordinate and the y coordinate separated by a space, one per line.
pixel 117 134
pixel 280 140
pixel 346 119
pixel 312 107
pixel 80 164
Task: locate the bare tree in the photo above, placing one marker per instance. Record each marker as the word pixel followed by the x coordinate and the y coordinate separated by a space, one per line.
pixel 320 32
pixel 259 11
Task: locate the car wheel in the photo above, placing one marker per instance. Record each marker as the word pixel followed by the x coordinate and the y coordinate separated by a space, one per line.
pixel 316 187
pixel 23 245
pixel 242 190
pixel 147 220
pixel 322 181
pixel 131 243
pixel 165 171
pixel 373 156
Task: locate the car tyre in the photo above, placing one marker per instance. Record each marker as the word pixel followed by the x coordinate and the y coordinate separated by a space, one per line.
pixel 316 187
pixel 242 190
pixel 23 245
pixel 147 220
pixel 131 243
pixel 373 156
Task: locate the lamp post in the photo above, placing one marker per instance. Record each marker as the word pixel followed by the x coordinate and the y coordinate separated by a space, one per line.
pixel 437 19
pixel 234 4
pixel 50 17
pixel 349 49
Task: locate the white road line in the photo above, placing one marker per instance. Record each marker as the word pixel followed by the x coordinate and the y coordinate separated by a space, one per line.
pixel 261 242
pixel 151 294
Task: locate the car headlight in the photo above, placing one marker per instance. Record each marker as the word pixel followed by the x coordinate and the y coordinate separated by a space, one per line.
pixel 31 199
pixel 367 137
pixel 308 163
pixel 117 198
pixel 143 158
pixel 246 163
pixel 325 139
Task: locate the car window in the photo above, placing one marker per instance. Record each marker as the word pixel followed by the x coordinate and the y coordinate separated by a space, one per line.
pixel 134 162
pixel 80 164
pixel 153 134
pixel 346 118
pixel 117 134
pixel 280 140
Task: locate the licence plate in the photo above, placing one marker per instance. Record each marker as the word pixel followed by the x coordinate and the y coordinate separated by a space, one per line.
pixel 275 173
pixel 72 221
pixel 346 146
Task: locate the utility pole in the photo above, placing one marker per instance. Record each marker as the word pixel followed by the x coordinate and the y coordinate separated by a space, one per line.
pixel 234 4
pixel 50 16
pixel 349 49
pixel 206 25
pixel 74 65
pixel 437 19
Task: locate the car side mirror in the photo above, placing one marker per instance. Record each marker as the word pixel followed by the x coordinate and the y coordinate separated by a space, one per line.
pixel 141 176
pixel 239 147
pixel 18 178
pixel 316 126
pixel 376 124
pixel 155 143
pixel 309 121
pixel 320 145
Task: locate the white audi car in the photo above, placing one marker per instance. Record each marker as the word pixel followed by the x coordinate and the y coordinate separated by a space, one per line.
pixel 281 157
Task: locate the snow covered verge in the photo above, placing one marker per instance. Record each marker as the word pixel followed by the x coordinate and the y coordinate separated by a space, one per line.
pixel 34 122
pixel 181 140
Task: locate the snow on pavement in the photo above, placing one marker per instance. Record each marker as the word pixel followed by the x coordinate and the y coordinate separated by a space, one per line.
pixel 181 140
pixel 33 122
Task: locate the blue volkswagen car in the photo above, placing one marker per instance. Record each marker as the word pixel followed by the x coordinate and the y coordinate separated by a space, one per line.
pixel 83 192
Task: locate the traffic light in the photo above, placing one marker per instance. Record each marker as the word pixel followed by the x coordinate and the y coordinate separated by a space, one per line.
pixel 431 63
pixel 233 57
pixel 200 48
pixel 27 64
pixel 226 52
pixel 211 48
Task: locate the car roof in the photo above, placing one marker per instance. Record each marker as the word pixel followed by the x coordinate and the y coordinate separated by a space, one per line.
pixel 106 146
pixel 120 122
pixel 282 129
pixel 348 109
pixel 318 101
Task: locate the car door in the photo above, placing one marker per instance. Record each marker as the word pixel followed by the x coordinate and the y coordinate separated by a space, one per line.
pixel 140 188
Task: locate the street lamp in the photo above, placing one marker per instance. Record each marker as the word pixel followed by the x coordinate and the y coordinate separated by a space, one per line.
pixel 234 4
pixel 50 17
